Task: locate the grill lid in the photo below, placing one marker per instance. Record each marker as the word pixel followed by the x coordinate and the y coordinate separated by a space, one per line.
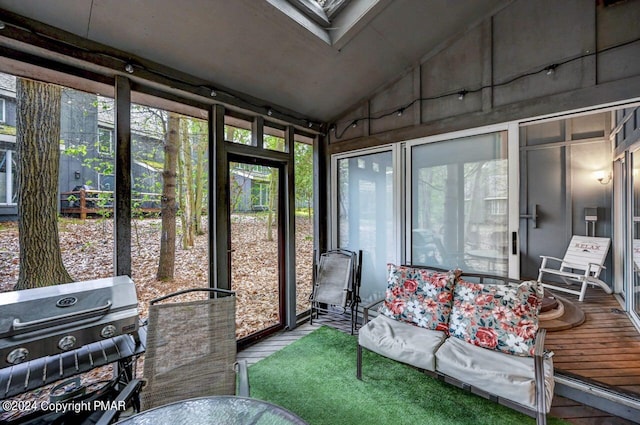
pixel 42 309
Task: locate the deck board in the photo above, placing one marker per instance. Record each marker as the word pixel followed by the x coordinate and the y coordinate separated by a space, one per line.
pixel 605 349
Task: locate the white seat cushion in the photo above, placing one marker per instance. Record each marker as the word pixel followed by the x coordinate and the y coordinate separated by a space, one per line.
pixel 401 341
pixel 507 376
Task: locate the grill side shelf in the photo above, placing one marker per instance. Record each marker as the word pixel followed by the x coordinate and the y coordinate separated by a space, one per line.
pixel 15 380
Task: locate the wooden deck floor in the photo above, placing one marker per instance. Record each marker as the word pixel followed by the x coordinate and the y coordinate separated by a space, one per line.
pixel 604 349
pixel 600 310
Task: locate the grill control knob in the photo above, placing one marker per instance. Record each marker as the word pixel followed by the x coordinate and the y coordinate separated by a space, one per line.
pixel 108 331
pixel 67 342
pixel 17 355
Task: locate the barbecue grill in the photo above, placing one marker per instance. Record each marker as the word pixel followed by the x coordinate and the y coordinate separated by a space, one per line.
pixel 51 333
pixel 44 321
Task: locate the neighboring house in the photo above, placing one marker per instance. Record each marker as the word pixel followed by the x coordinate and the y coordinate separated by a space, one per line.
pixel 8 176
pixel 87 147
pixel 250 187
pixel 86 144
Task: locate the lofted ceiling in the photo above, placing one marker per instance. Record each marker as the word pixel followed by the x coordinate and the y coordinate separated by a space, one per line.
pixel 252 47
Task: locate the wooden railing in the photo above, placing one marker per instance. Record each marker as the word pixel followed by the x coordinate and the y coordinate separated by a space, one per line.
pixel 84 203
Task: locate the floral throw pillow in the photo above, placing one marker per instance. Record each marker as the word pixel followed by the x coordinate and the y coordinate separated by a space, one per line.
pixel 419 296
pixel 499 317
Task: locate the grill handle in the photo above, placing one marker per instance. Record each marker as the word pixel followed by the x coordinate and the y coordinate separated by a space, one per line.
pixel 62 319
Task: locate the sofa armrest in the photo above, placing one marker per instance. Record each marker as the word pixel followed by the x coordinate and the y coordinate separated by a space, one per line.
pixel 538 349
pixel 367 307
pixel 539 359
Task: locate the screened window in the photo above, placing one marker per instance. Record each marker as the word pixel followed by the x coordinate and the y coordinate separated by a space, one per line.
pixel 237 131
pixel 273 139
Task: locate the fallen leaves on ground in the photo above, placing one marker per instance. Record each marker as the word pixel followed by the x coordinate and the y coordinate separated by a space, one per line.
pixel 87 252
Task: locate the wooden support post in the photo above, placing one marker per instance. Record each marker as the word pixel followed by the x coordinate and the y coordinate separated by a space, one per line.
pixel 221 233
pixel 83 204
pixel 122 200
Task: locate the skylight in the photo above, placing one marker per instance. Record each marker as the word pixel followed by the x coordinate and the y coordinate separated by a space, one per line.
pixel 333 21
pixel 320 11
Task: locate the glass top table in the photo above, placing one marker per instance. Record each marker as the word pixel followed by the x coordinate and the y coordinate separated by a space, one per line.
pixel 227 410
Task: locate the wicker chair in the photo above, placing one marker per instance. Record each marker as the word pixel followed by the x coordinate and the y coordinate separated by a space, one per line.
pixel 191 349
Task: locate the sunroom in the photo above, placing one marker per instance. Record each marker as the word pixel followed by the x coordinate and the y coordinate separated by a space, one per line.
pixel 478 135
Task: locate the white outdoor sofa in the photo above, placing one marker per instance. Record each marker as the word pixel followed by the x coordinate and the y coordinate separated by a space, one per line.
pixel 442 322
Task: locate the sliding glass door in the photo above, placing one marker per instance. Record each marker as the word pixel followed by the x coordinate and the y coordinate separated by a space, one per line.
pixel 365 213
pixel 634 182
pixel 459 203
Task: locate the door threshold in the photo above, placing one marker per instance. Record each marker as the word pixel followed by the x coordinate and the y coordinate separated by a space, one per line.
pixel 606 399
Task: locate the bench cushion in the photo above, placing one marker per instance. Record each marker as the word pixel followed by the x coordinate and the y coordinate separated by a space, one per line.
pixel 419 296
pixel 501 317
pixel 504 375
pixel 401 341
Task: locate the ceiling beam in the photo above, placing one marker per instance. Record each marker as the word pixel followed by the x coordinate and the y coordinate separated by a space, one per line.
pixel 45 45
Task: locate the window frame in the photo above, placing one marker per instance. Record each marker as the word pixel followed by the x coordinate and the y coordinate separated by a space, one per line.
pixel 101 131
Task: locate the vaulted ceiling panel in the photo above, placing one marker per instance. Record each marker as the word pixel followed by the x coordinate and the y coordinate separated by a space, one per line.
pixel 252 47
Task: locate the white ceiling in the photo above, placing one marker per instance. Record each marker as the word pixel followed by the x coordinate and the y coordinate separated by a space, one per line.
pixel 252 47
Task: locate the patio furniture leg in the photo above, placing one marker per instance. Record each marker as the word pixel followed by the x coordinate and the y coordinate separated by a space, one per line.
pixel 583 291
pixel 359 363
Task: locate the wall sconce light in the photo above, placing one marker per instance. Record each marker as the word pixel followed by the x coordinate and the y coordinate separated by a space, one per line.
pixel 76 174
pixel 129 68
pixel 603 177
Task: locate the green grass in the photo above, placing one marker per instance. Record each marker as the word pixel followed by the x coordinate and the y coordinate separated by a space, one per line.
pixel 315 378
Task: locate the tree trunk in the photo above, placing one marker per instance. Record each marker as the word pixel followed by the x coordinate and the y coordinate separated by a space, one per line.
pixel 38 151
pixel 201 149
pixel 181 196
pixel 168 203
pixel 272 216
pixel 188 230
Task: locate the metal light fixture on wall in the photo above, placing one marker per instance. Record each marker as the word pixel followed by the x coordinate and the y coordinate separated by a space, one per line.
pixel 603 177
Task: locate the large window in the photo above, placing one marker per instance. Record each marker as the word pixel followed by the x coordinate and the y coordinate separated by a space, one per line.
pixel 365 214
pixel 85 225
pixel 459 204
pixel 169 200
pixel 303 155
pixel 446 203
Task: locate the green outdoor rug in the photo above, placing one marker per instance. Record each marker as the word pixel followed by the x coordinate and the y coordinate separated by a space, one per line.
pixel 315 377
